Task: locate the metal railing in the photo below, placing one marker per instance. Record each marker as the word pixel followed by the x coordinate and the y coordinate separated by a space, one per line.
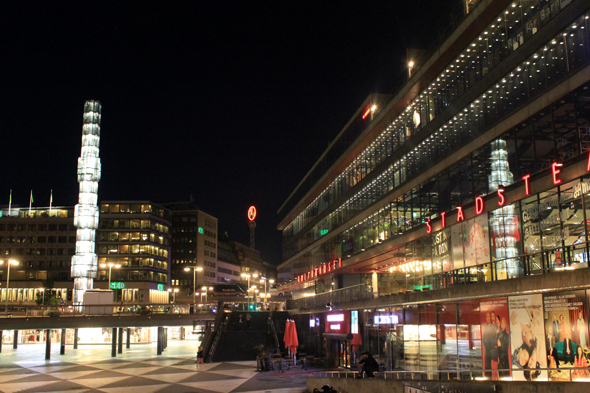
pixel 339 296
pixel 100 309
pixel 574 374
pixel 218 332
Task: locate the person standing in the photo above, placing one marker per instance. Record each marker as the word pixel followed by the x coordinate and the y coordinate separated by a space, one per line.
pixel 503 350
pixel 581 326
pixel 200 358
pixel 248 321
pixel 555 329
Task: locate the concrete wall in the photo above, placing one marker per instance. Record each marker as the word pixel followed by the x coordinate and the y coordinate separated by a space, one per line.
pixel 377 385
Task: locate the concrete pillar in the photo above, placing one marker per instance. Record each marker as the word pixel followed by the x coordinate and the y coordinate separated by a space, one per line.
pixel 76 338
pixel 128 345
pixel 15 341
pixel 165 338
pixel 47 344
pixel 159 349
pixel 120 348
pixel 114 342
pixel 1 333
pixel 182 334
pixel 62 348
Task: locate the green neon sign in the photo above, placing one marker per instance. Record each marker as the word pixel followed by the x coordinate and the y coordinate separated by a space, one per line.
pixel 201 230
pixel 323 232
pixel 117 285
pixel 160 287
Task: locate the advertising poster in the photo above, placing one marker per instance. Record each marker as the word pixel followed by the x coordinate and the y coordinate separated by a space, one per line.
pixel 477 242
pixel 527 338
pixel 566 329
pixel 495 337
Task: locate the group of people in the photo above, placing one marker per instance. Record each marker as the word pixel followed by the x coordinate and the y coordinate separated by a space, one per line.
pixel 496 341
pixel 245 325
pixel 572 352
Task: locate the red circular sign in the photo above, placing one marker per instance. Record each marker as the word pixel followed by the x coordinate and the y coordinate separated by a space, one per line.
pixel 251 213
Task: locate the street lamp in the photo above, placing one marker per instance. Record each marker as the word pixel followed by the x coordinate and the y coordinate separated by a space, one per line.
pixel 204 289
pixel 195 270
pixel 9 262
pixel 110 265
pixel 173 294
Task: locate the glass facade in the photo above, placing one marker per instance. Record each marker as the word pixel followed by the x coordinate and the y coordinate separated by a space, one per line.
pixel 558 132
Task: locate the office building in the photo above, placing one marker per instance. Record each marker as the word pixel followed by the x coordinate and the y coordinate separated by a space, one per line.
pixel 455 209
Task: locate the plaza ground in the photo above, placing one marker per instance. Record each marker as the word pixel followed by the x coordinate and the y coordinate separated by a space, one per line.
pixel 90 368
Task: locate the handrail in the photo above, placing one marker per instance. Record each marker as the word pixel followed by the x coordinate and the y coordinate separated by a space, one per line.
pixel 473 374
pixel 273 330
pixel 218 333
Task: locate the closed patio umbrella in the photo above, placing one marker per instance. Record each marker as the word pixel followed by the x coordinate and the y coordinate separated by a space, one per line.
pixel 293 341
pixel 287 335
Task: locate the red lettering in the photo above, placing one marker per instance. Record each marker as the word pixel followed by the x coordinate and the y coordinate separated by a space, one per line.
pixel 526 183
pixel 339 262
pixel 428 226
pixel 460 216
pixel 502 200
pixel 478 205
pixel 588 167
pixel 555 171
pixel 444 222
pixel 329 267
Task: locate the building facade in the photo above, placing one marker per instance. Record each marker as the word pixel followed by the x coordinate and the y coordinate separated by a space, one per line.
pixel 435 210
pixel 194 245
pixel 135 236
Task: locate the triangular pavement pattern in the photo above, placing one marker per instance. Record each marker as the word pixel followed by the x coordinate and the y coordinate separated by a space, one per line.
pixel 208 377
pixel 232 366
pixel 236 373
pixel 19 387
pixel 213 386
pixel 137 382
pixel 137 371
pixel 98 382
pixel 133 389
pixel 171 378
pixel 55 386
pixel 67 375
pixel 168 370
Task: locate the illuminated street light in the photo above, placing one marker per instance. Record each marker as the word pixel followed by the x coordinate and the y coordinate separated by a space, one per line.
pixel 110 265
pixel 195 270
pixel 410 66
pixel 9 262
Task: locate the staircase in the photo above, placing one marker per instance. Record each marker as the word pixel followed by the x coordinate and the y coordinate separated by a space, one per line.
pixel 237 344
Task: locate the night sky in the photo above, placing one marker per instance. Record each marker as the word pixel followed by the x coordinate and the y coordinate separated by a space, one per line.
pixel 231 102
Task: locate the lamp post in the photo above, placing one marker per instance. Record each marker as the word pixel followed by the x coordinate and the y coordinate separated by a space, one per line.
pixel 173 292
pixel 205 292
pixel 195 270
pixel 248 277
pixel 110 265
pixel 9 262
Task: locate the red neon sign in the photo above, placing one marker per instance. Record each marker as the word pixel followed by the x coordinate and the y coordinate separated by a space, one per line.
pixel 460 216
pixel 444 221
pixel 366 113
pixel 326 267
pixel 502 200
pixel 555 172
pixel 478 205
pixel 251 213
pixel 588 167
pixel 428 226
pixel 526 183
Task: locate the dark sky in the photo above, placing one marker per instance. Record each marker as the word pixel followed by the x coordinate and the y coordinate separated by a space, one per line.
pixel 229 101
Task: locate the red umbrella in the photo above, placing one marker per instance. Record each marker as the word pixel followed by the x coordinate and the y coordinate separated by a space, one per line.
pixel 287 336
pixel 293 341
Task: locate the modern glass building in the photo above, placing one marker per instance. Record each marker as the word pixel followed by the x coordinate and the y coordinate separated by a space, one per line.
pixel 453 213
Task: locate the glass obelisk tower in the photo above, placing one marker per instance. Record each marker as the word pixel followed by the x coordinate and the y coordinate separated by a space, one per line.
pixel 85 262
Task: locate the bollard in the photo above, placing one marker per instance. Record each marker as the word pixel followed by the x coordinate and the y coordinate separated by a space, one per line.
pixel 62 348
pixel 114 343
pixel 47 344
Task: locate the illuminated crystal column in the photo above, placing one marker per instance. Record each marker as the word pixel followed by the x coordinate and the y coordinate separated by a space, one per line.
pixel 503 221
pixel 85 262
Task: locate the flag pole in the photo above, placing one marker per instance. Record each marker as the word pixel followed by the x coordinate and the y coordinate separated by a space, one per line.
pixel 50 201
pixel 9 202
pixel 30 202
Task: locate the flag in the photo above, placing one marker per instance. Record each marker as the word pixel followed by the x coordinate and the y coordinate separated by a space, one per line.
pixel 30 202
pixel 50 201
pixel 9 202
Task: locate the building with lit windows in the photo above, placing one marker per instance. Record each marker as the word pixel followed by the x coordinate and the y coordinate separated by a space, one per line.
pixel 453 212
pixel 134 250
pixel 41 242
pixel 194 245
